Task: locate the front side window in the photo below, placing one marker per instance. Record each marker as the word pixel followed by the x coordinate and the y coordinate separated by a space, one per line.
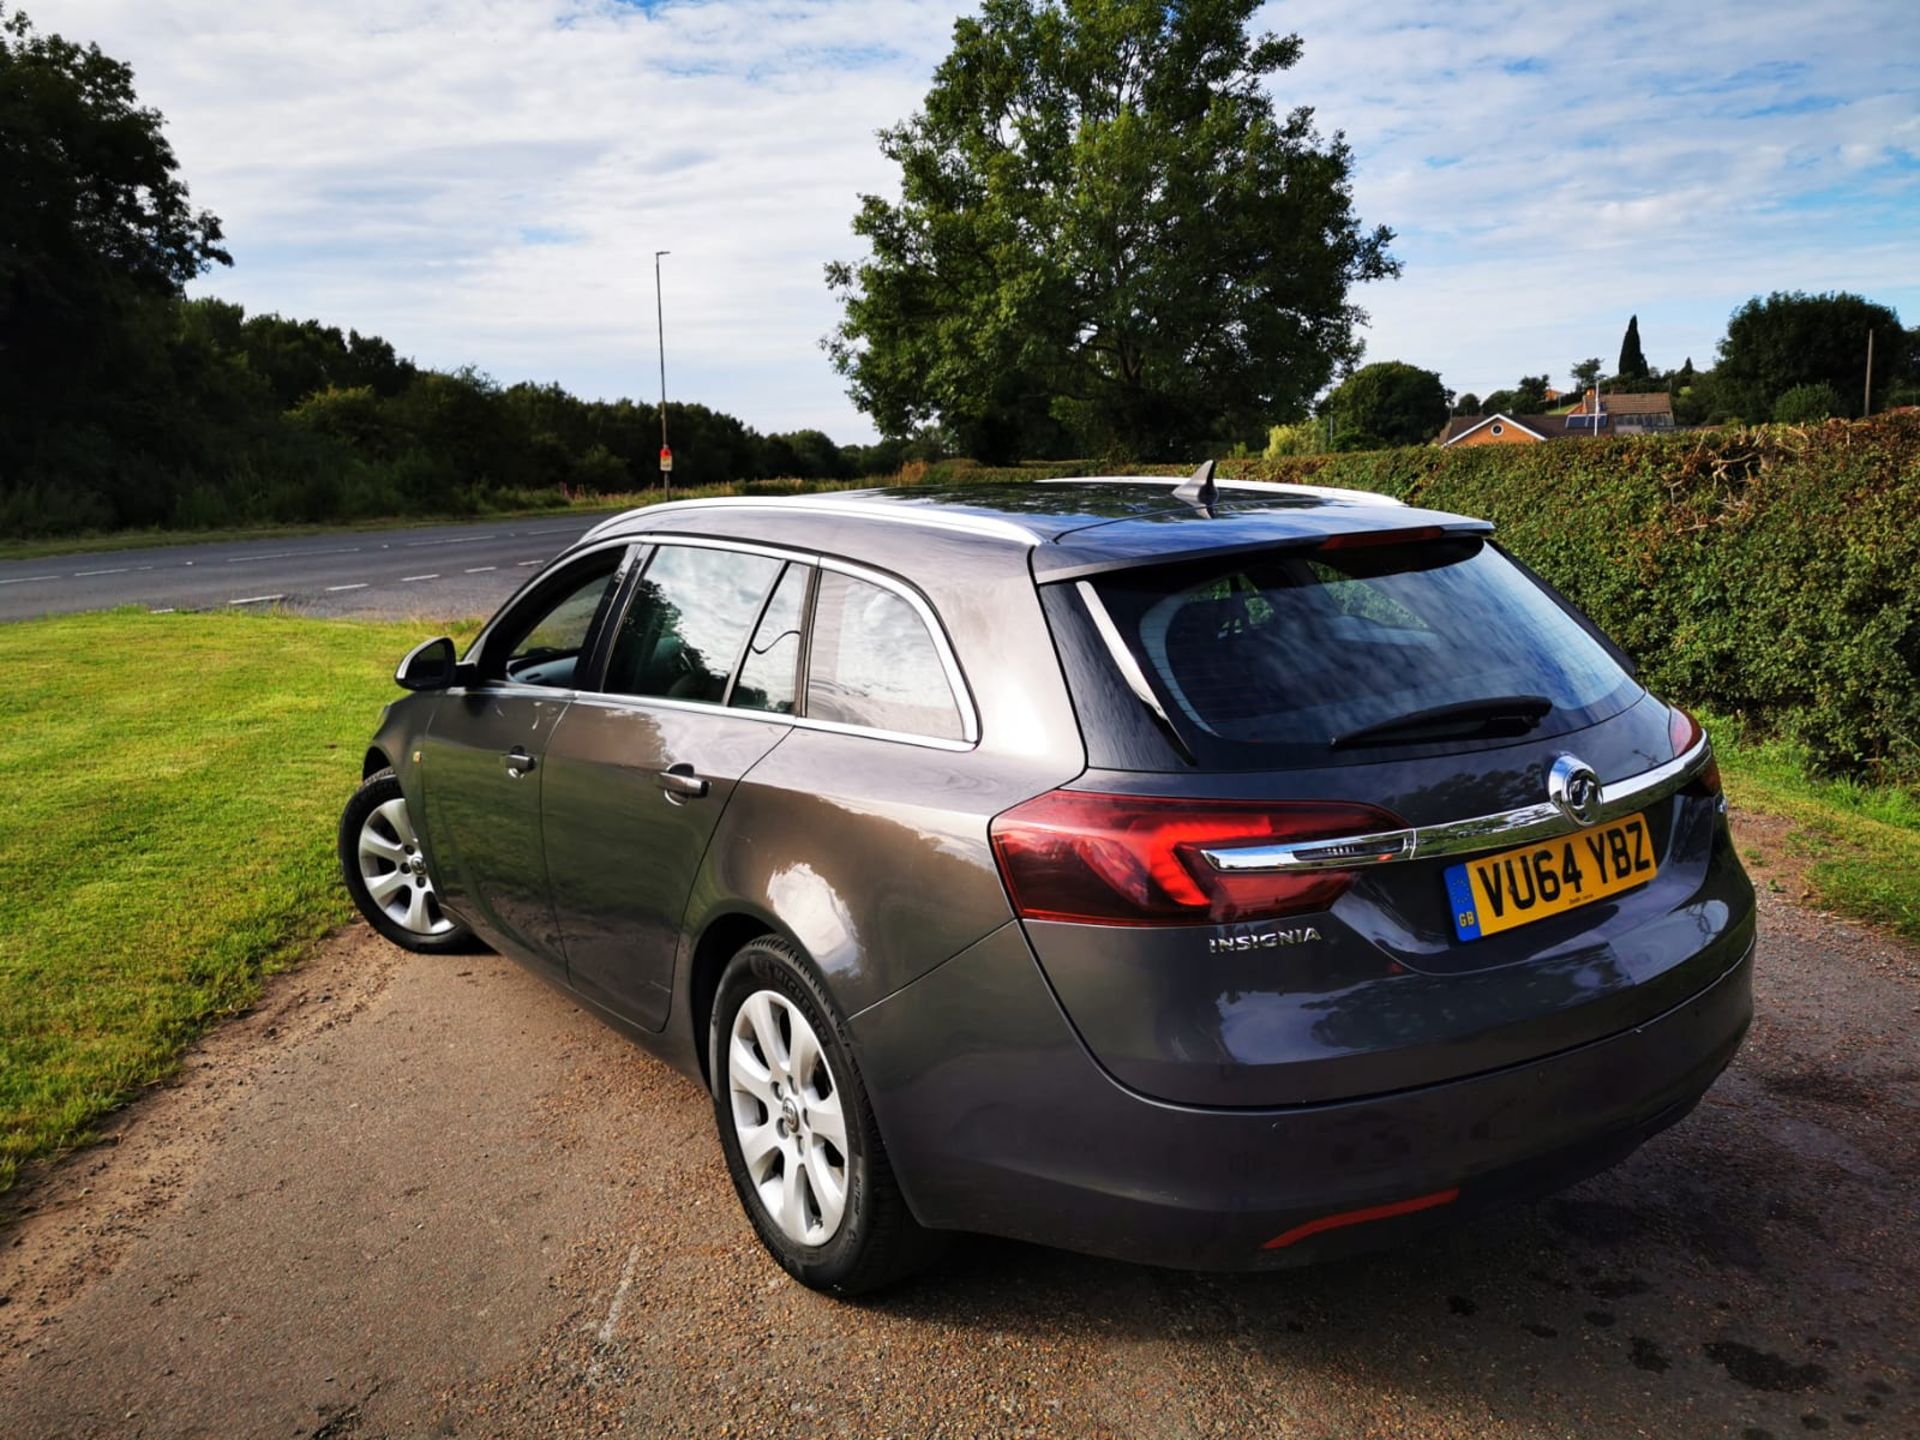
pixel 688 623
pixel 542 642
pixel 873 663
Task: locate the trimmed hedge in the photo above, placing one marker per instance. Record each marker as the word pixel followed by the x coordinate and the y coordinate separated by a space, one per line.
pixel 1771 573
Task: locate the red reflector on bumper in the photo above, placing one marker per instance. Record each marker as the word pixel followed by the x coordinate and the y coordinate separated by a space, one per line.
pixel 1361 1217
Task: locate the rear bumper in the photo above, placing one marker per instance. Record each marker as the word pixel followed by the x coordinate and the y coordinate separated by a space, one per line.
pixel 997 1120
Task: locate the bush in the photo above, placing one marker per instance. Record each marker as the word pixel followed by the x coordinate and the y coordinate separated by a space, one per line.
pixel 1806 403
pixel 1307 437
pixel 1767 572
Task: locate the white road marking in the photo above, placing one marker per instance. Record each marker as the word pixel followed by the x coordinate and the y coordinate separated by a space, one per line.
pixel 521 565
pixel 408 579
pixel 458 540
pixel 26 579
pixel 167 611
pixel 333 589
pixel 482 569
pixel 604 1336
pixel 256 599
pixel 284 554
pixel 620 1295
pixel 79 574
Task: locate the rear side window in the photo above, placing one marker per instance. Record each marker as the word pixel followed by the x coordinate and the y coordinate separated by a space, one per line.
pixel 771 666
pixel 1298 657
pixel 688 622
pixel 874 663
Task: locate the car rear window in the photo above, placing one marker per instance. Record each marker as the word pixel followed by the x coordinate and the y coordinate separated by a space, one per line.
pixel 1270 658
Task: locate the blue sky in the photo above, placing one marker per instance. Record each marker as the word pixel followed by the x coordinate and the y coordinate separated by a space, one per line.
pixel 484 181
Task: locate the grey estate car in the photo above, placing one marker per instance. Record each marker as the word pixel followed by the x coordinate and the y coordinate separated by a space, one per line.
pixel 1211 876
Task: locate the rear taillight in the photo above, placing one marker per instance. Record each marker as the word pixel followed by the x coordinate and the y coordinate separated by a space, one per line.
pixel 1685 732
pixel 1132 860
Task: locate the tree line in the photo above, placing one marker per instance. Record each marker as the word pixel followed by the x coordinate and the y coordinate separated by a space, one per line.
pixel 125 403
pixel 1788 357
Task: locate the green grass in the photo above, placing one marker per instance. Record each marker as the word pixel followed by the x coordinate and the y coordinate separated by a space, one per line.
pixel 169 787
pixel 1860 843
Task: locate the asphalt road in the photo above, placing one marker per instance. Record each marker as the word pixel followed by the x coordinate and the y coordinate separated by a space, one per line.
pixel 412 1197
pixel 445 570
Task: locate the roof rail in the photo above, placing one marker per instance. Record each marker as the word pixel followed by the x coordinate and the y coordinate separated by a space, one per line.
pixel 894 512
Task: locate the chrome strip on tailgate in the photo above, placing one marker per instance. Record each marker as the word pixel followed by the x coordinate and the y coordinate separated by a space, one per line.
pixel 1462 837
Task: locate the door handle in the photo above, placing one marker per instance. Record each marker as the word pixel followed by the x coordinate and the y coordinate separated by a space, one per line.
pixel 518 762
pixel 681 784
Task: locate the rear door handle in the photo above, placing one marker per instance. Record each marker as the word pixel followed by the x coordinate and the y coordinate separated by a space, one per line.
pixel 681 784
pixel 518 762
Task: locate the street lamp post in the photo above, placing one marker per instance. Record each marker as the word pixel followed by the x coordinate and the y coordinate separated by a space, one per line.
pixel 660 315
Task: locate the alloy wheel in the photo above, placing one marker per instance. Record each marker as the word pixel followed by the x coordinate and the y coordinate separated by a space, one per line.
pixel 394 871
pixel 788 1118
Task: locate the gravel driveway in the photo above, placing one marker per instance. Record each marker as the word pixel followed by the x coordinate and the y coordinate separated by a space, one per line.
pixel 429 1197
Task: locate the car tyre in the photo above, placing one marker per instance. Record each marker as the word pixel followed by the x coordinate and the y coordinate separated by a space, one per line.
pixel 385 871
pixel 799 1136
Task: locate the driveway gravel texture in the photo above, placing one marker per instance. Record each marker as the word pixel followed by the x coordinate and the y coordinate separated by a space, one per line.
pixel 433 1197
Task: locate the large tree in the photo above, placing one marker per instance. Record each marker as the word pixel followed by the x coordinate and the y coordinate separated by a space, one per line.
pixel 1792 339
pixel 1388 403
pixel 1107 238
pixel 97 236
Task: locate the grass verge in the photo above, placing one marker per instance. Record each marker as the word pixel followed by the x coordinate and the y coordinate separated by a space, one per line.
pixel 169 794
pixel 1859 844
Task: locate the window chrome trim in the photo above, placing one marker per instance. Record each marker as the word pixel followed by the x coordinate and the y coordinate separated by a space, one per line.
pixel 942 646
pixel 1463 837
pixel 1123 657
pixel 902 513
pixel 603 701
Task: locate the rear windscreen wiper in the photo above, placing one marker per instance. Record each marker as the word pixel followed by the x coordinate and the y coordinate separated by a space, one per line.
pixel 1495 715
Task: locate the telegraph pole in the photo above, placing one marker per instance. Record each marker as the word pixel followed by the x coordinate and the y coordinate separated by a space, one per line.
pixel 1868 409
pixel 660 316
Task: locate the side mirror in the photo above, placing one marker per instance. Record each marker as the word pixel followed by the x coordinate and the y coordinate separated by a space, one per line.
pixel 429 666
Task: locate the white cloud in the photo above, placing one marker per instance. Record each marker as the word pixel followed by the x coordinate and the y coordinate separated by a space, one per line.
pixel 485 180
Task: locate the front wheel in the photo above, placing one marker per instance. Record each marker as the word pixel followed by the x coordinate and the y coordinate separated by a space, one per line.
pixel 798 1133
pixel 386 871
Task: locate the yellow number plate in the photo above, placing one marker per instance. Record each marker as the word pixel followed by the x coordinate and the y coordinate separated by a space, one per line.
pixel 1492 893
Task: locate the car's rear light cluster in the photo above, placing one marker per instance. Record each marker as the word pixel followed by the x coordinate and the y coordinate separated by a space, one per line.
pixel 1685 732
pixel 1102 859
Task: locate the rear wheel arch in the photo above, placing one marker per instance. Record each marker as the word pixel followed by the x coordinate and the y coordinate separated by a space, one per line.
pixel 725 936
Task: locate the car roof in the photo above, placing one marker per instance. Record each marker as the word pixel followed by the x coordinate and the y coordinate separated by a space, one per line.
pixel 1062 528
